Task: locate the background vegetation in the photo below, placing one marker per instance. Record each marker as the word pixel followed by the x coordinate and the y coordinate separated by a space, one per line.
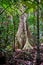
pixel 10 12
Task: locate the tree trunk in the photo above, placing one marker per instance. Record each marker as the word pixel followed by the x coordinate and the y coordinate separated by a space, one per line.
pixel 23 34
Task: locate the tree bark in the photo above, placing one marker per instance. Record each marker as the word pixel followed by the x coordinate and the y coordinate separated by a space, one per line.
pixel 23 34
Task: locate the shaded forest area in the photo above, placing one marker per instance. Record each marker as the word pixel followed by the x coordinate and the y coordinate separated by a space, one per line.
pixel 21 32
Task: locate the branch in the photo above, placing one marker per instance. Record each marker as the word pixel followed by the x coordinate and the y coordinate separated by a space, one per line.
pixel 2 12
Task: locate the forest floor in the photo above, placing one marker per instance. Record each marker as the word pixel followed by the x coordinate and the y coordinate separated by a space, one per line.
pixel 27 57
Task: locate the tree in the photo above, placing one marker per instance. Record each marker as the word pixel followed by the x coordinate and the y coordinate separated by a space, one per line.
pixel 23 34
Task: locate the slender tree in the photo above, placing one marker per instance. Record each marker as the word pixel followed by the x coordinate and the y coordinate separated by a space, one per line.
pixel 38 42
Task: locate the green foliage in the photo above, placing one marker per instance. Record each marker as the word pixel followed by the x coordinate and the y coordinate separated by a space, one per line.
pixel 16 20
pixel 10 25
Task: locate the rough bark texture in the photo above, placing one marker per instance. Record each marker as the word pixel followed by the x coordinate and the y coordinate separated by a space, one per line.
pixel 23 34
